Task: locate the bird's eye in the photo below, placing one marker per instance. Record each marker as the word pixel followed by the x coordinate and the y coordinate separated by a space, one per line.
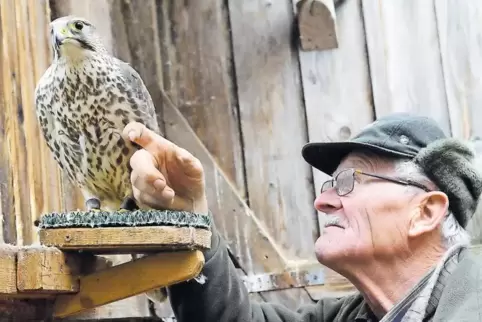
pixel 78 25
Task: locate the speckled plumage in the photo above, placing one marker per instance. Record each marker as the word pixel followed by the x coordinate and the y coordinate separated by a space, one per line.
pixel 83 102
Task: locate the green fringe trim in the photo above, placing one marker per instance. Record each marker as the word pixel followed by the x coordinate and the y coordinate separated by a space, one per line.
pixel 92 219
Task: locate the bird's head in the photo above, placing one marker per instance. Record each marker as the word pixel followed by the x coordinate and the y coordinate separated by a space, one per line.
pixel 74 37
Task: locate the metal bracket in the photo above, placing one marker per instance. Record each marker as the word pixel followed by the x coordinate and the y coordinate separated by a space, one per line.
pixel 283 280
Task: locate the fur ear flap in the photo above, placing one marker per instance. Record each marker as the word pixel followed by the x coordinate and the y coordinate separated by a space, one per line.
pixel 450 164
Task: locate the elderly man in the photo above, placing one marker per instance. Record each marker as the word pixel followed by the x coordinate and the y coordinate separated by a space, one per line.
pixel 396 208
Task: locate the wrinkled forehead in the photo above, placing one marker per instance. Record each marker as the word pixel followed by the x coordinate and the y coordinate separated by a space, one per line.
pixel 365 160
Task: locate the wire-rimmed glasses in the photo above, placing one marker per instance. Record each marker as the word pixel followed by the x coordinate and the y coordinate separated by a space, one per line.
pixel 344 181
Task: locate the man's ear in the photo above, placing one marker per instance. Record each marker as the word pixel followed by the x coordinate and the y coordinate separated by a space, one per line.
pixel 429 212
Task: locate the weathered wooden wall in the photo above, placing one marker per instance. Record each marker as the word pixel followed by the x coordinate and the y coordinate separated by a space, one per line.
pixel 232 86
pixel 30 182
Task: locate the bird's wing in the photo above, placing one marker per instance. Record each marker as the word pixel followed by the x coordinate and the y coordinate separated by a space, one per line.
pixel 43 98
pixel 134 80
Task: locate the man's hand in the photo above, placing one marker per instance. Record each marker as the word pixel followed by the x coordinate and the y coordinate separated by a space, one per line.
pixel 164 175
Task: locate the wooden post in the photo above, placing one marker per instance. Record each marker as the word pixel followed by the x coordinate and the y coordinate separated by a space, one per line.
pixel 47 270
pixel 8 270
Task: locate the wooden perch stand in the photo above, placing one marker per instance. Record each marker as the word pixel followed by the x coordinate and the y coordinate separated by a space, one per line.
pixel 126 240
pixel 129 279
pixel 61 268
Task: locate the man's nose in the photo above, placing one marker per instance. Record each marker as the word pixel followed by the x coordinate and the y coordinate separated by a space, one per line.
pixel 328 201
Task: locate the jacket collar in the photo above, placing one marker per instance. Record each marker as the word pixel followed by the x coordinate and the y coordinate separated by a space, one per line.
pixel 365 314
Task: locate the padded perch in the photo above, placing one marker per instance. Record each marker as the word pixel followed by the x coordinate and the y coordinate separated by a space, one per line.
pixel 138 231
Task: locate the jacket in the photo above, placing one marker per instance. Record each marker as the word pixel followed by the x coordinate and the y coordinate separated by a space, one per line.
pixel 223 297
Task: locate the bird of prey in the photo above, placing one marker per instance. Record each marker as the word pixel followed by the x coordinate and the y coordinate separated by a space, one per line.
pixel 83 102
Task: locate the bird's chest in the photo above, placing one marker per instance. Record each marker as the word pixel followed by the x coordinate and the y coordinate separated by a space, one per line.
pixel 85 102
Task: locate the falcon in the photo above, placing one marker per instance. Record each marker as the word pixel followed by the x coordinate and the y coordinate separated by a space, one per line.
pixel 83 101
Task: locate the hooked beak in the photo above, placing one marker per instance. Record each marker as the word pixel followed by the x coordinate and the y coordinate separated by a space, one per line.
pixel 58 41
pixel 62 35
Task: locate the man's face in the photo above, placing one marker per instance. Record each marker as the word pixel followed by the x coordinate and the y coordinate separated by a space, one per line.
pixel 374 217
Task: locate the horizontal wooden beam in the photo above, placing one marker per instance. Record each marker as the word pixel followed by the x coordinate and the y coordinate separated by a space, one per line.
pixel 125 240
pixel 129 279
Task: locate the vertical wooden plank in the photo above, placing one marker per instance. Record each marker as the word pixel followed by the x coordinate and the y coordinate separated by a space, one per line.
pixel 9 233
pixel 26 12
pixel 200 65
pixel 135 40
pixel 27 126
pixel 14 118
pixel 233 218
pixel 460 32
pixel 273 128
pixel 273 123
pixel 404 55
pixel 336 83
pixel 337 88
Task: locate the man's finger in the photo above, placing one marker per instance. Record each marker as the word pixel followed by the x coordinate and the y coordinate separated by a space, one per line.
pixel 145 175
pixel 148 200
pixel 146 138
pixel 166 200
pixel 147 183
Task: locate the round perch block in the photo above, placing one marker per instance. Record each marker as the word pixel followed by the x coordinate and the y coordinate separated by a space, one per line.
pixel 125 231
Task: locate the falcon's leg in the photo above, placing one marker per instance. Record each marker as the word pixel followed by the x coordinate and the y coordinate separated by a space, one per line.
pixel 92 204
pixel 129 204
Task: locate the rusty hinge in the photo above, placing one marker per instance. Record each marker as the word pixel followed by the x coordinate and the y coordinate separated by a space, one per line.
pixel 283 280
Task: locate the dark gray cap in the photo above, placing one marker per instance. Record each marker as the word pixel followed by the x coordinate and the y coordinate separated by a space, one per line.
pixel 446 161
pixel 398 134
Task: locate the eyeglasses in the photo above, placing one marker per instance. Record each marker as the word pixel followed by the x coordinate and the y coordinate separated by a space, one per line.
pixel 344 181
